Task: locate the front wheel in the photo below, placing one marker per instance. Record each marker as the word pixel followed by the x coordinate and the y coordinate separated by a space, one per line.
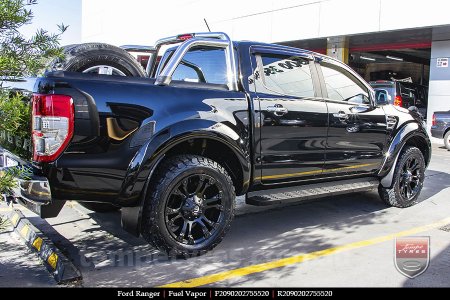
pixel 408 179
pixel 190 206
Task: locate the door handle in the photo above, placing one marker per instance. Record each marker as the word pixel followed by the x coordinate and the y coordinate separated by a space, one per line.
pixel 277 109
pixel 341 116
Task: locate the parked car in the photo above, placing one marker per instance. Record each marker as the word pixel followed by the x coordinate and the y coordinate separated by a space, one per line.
pixel 404 94
pixel 440 127
pixel 215 119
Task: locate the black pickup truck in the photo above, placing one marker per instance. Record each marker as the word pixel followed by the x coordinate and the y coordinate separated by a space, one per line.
pixel 214 119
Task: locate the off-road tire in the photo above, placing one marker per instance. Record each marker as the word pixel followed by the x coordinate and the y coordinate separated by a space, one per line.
pixel 393 196
pixel 80 57
pixel 171 173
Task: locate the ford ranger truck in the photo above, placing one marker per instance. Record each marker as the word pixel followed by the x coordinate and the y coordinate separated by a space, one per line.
pixel 213 120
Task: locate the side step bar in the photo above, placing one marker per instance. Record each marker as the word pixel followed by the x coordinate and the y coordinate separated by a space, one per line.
pixel 311 191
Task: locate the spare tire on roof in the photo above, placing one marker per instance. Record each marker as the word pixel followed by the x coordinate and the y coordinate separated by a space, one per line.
pixel 98 58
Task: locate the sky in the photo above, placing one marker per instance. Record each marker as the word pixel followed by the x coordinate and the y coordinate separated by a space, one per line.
pixel 49 13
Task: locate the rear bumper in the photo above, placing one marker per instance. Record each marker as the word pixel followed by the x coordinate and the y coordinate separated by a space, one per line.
pixel 34 191
pixel 437 132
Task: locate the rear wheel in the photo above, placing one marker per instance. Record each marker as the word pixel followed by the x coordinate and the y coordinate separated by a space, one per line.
pixel 447 140
pixel 190 206
pixel 98 58
pixel 408 179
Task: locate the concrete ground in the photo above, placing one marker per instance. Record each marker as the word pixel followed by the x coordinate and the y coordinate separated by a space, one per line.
pixel 266 237
pixel 18 266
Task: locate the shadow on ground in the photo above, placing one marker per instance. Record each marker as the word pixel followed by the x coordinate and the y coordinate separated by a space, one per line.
pixel 18 266
pixel 435 182
pixel 437 274
pixel 108 256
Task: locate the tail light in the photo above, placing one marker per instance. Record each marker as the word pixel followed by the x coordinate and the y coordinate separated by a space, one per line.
pixel 433 120
pixel 53 123
pixel 398 101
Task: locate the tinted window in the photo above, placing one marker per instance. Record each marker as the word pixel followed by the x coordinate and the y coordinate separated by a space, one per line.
pixel 407 91
pixel 390 89
pixel 343 86
pixel 203 65
pixel 287 75
pixel 422 98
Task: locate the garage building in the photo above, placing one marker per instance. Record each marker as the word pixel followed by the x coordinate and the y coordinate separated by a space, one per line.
pixel 406 40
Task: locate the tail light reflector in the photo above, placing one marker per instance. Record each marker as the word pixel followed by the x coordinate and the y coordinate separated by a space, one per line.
pixel 52 126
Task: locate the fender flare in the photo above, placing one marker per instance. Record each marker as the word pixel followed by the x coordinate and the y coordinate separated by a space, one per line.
pixel 408 131
pixel 150 155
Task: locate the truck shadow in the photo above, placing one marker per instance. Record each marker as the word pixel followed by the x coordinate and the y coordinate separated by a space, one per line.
pixel 108 256
pixel 255 237
pixel 435 181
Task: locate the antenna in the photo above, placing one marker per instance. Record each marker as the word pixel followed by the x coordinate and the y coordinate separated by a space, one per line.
pixel 206 22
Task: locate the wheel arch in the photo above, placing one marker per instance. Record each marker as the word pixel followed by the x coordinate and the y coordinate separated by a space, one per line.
pixel 422 143
pixel 218 150
pixel 222 148
pixel 445 131
pixel 411 134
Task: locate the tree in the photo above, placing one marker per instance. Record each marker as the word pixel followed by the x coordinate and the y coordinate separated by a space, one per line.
pixel 20 57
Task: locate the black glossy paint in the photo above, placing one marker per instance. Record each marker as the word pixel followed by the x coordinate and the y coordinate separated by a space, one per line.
pixel 408 127
pixel 290 145
pixel 293 146
pixel 355 144
pixel 105 166
pixel 124 126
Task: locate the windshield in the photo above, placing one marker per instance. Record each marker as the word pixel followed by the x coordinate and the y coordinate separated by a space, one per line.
pixel 390 90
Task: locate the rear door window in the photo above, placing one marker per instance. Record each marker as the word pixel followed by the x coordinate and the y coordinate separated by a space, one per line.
pixel 203 65
pixel 287 75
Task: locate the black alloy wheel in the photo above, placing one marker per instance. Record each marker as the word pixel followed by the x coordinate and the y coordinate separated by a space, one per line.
pixel 194 211
pixel 410 178
pixel 407 181
pixel 189 207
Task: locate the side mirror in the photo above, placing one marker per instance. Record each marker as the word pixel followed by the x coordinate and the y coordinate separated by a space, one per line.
pixel 415 111
pixel 413 108
pixel 381 97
